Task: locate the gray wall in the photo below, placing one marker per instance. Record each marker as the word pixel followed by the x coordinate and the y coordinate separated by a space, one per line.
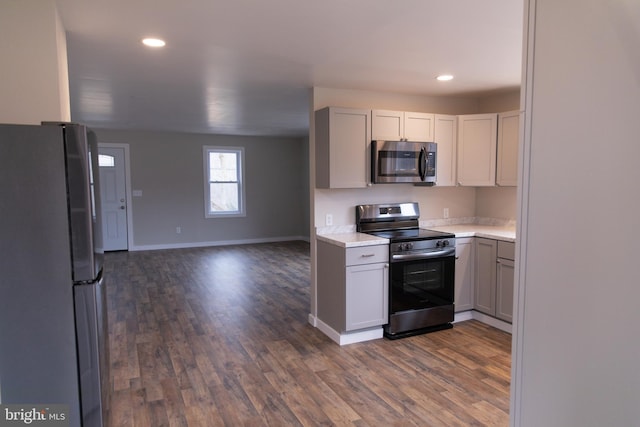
pixel 168 168
pixel 576 346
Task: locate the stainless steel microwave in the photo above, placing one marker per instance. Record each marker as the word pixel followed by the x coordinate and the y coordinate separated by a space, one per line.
pixel 403 161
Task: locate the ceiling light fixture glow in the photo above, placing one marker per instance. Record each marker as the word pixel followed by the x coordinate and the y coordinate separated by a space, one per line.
pixel 151 42
pixel 444 77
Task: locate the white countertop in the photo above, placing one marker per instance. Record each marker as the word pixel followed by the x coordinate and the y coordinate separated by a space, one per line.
pixel 352 239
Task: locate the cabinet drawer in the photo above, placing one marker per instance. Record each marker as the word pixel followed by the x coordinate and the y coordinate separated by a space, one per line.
pixel 506 250
pixel 367 254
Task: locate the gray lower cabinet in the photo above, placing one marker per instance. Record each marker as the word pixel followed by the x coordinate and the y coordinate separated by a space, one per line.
pixel 494 278
pixel 464 274
pixel 505 273
pixel 485 275
pixel 352 286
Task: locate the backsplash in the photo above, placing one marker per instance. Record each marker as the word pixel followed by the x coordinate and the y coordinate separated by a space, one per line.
pixel 336 229
pixel 496 222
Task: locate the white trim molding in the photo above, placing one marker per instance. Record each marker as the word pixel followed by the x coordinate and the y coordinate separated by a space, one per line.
pixel 127 172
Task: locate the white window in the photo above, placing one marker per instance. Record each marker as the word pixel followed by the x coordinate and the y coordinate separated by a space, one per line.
pixel 106 161
pixel 224 186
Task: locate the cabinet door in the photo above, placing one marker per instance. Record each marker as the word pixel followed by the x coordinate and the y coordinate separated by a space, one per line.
pixel 367 296
pixel 477 139
pixel 485 276
pixel 387 125
pixel 445 135
pixel 504 289
pixel 508 142
pixel 418 127
pixel 342 148
pixel 464 274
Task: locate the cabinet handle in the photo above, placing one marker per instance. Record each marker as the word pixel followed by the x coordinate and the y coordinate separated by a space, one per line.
pixel 367 255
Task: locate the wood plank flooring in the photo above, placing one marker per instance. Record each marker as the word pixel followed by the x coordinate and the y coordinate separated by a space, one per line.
pixel 219 337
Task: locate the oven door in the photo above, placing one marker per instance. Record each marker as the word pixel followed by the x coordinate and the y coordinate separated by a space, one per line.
pixel 422 283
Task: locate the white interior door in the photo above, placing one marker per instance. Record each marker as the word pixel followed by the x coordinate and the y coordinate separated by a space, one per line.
pixel 113 194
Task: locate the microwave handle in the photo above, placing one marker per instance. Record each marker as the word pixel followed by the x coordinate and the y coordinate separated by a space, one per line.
pixel 422 166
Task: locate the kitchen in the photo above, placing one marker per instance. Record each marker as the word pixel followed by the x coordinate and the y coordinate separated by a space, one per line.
pixel 554 359
pixel 433 201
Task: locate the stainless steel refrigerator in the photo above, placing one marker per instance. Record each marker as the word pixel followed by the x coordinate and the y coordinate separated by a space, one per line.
pixel 53 312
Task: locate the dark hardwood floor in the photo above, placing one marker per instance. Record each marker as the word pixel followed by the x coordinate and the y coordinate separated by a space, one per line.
pixel 219 337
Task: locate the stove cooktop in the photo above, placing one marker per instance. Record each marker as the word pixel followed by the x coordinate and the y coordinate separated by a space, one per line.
pixel 412 234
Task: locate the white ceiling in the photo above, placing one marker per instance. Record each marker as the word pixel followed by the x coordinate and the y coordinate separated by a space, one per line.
pixel 246 66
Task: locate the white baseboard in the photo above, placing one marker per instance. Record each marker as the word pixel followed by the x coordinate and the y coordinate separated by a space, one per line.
pixel 312 320
pixel 216 243
pixel 462 316
pixel 481 317
pixel 349 337
pixel 376 333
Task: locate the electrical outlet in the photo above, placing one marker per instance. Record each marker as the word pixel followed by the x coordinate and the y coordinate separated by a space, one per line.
pixel 328 219
pixel 178 230
pixel 445 213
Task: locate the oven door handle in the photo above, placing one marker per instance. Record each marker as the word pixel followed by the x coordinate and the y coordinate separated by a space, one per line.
pixel 424 255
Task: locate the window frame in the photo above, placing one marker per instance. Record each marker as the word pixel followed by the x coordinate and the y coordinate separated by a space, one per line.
pixel 239 151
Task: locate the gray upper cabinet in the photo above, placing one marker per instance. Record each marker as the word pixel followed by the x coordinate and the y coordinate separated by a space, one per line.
pixel 508 141
pixel 445 135
pixel 476 150
pixel 488 149
pixel 477 139
pixel 343 141
pixel 388 125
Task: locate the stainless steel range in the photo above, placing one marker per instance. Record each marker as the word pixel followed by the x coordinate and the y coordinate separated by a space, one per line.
pixel 422 268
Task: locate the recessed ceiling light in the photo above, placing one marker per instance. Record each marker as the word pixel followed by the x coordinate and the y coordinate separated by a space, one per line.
pixel 151 42
pixel 444 77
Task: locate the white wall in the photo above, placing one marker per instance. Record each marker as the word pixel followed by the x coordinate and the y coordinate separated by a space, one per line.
pixel 168 168
pixel 330 97
pixel 496 202
pixel 34 83
pixel 576 346
pixel 500 102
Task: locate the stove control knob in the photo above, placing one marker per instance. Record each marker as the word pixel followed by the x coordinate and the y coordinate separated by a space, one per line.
pixel 438 243
pixel 445 243
pixel 408 246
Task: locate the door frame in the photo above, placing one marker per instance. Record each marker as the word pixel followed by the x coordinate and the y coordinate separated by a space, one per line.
pixel 127 184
